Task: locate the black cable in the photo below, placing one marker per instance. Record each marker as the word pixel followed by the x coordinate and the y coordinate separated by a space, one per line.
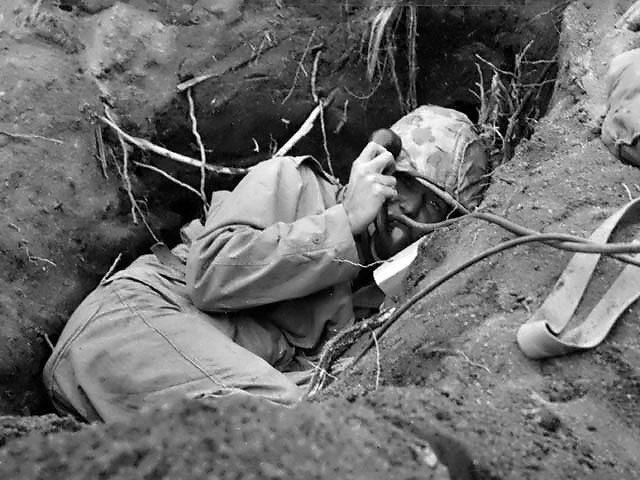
pixel 407 304
pixel 571 243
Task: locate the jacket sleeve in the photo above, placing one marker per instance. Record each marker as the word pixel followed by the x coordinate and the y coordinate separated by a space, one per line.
pixel 272 239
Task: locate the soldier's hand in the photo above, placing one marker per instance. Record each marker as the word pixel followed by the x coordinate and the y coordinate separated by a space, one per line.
pixel 368 186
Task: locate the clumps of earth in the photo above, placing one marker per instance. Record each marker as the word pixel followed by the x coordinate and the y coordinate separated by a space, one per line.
pixel 450 367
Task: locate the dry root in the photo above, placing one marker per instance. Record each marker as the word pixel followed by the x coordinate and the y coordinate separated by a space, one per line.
pixel 338 345
pixel 506 109
pixel 381 48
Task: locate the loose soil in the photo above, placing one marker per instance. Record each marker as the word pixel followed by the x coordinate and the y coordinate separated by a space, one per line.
pixel 450 365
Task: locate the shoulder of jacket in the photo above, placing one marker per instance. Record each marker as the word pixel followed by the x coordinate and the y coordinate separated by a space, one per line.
pixel 299 162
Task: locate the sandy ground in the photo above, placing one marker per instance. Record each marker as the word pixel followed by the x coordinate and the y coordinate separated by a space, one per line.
pixel 450 365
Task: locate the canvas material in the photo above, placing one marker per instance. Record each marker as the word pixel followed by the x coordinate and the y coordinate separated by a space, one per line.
pixel 129 346
pixel 441 143
pixel 621 125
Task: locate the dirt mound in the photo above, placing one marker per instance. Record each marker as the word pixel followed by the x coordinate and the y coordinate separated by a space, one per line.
pixel 450 363
pixel 237 439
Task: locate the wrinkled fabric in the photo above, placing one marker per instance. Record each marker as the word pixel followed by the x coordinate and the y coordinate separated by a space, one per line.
pixel 129 346
pixel 441 143
pixel 280 244
pixel 621 125
pixel 265 279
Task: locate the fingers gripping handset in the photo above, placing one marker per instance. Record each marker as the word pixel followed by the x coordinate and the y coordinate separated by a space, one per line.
pixel 369 188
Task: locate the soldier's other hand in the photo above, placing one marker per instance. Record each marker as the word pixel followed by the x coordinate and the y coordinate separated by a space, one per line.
pixel 369 186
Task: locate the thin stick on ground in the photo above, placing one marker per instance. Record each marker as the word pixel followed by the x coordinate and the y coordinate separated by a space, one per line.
pixel 344 118
pixel 144 144
pixel 243 61
pixel 375 341
pixel 339 344
pixel 30 136
pixel 513 119
pixel 314 77
pixel 124 172
pixel 36 259
pixel 306 126
pixel 412 27
pixel 203 155
pixel 102 157
pixel 48 340
pixel 127 180
pixel 460 353
pixel 324 138
pixel 169 177
pixel 300 67
pixel 111 269
pixel 377 32
pixel 394 75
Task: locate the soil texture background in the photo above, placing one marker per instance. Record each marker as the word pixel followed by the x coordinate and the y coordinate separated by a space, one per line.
pixel 448 369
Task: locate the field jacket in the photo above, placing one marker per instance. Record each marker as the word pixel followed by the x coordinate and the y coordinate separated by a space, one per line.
pixel 273 263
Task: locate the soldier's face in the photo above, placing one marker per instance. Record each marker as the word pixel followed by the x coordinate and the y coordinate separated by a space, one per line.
pixel 415 202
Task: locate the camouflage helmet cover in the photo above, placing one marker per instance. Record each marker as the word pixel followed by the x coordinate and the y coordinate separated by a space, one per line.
pixel 441 144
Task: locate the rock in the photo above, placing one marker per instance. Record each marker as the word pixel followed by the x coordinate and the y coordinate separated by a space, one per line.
pixel 226 10
pixel 133 54
pixel 95 6
pixel 128 39
pixel 548 420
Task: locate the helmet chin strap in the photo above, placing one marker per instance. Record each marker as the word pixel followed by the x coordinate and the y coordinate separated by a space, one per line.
pixel 371 231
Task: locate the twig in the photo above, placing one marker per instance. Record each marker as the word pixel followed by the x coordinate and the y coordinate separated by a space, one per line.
pixel 378 31
pixel 127 180
pixel 343 119
pixel 547 12
pixel 203 155
pixel 169 177
pixel 35 259
pixel 367 96
pixel 628 191
pixel 514 117
pixel 339 344
pixel 471 362
pixel 394 74
pixel 412 27
pixel 101 152
pixel 494 67
pixel 321 370
pixel 461 354
pixel 324 138
pixel 111 269
pixel 31 136
pixel 314 75
pixel 306 127
pixel 255 53
pixel 150 147
pixel 124 173
pixel 48 340
pixel 299 67
pixel 375 341
pixel 356 264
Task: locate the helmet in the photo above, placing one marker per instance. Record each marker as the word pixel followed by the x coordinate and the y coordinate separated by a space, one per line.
pixel 441 144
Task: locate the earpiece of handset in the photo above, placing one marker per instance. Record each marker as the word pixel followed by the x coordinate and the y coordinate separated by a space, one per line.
pixel 388 139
